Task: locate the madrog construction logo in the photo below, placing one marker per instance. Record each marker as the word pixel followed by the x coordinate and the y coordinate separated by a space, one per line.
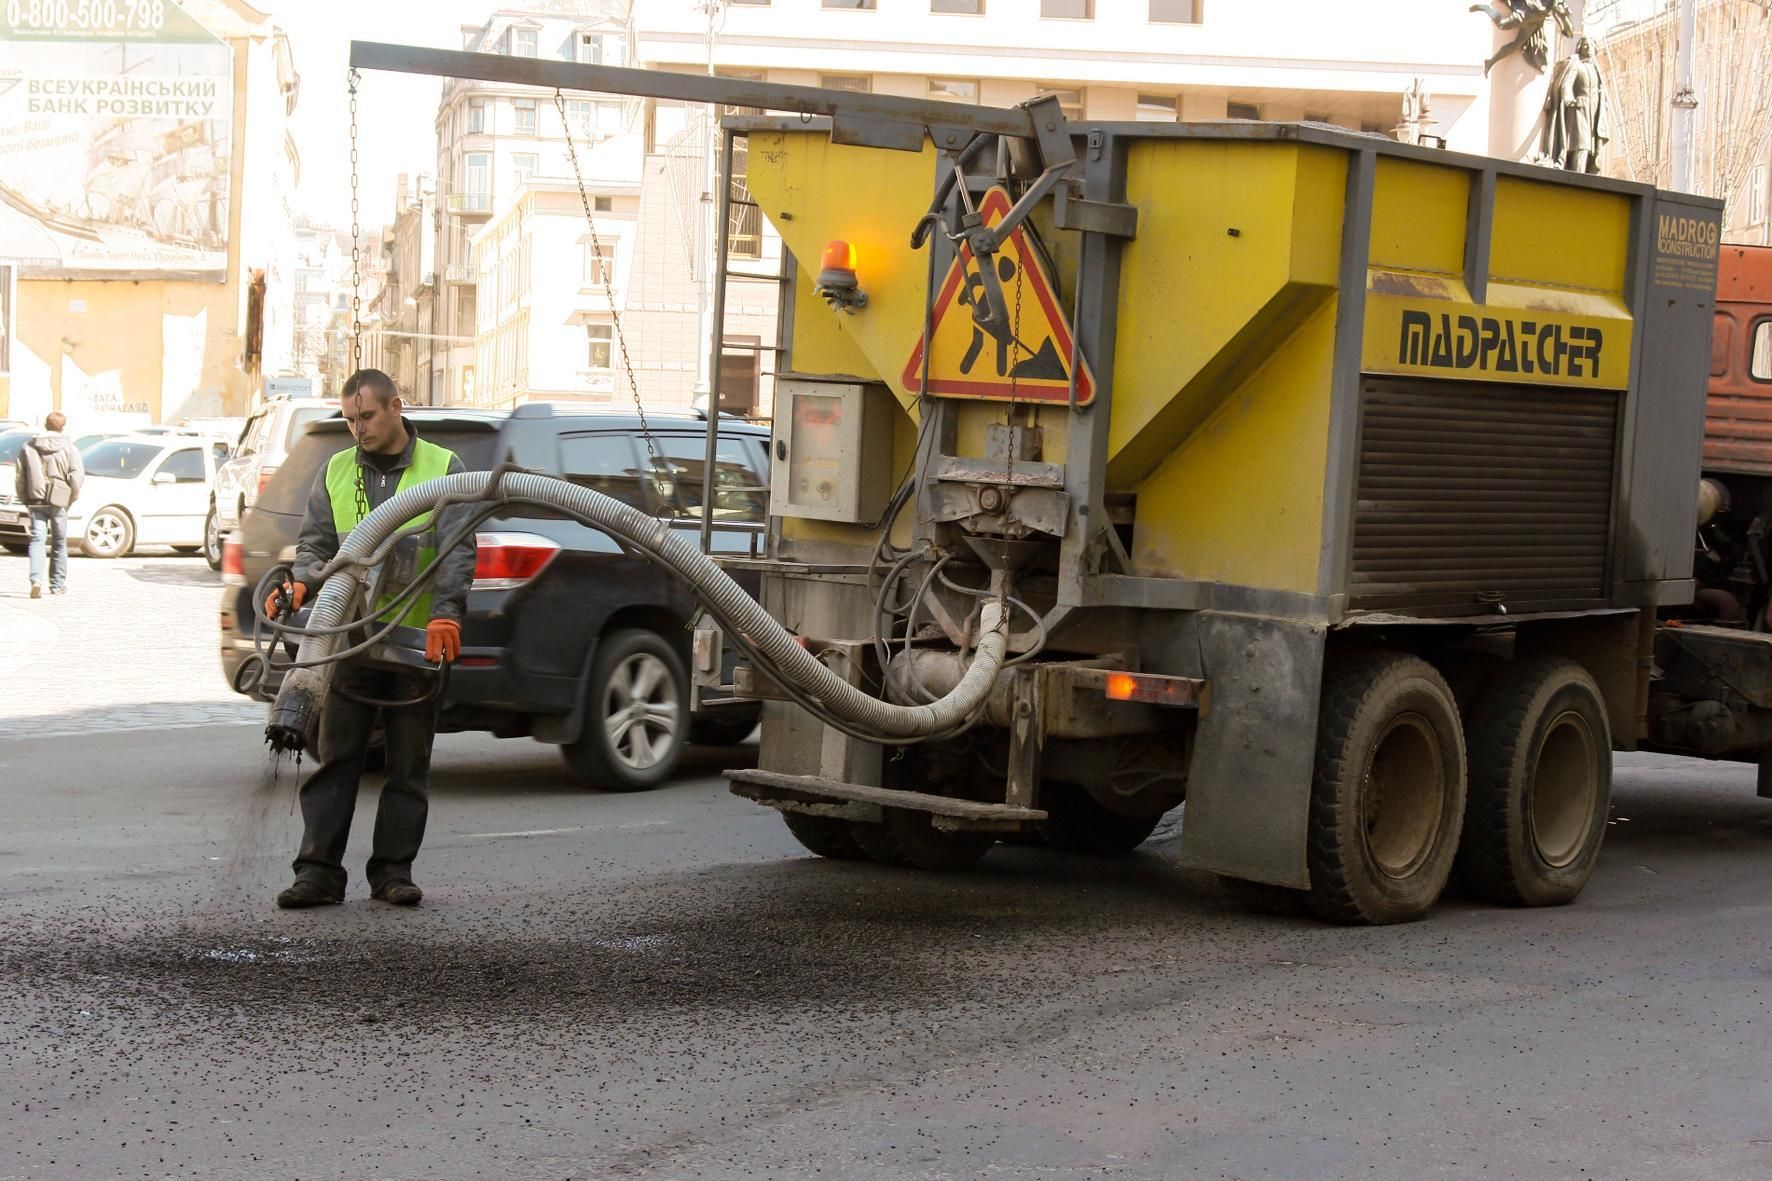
pixel 1687 237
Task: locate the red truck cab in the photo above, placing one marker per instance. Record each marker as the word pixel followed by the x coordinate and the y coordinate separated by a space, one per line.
pixel 1738 420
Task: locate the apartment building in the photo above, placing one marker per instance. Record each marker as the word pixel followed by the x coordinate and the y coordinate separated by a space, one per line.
pixel 537 282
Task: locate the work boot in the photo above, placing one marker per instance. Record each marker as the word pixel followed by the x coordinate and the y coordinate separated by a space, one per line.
pixel 398 893
pixel 36 592
pixel 305 894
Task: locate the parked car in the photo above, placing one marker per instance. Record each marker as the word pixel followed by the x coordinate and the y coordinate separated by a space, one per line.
pixel 263 445
pixel 15 527
pixel 565 632
pixel 144 490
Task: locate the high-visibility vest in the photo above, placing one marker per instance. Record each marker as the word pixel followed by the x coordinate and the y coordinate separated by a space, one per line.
pixel 429 462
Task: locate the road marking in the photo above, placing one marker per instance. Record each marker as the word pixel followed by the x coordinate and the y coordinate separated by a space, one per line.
pixel 548 832
pixel 529 832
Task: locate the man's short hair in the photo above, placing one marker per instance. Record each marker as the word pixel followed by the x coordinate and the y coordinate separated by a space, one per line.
pixel 55 420
pixel 372 381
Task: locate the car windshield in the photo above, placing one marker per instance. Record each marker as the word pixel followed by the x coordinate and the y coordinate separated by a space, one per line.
pixel 301 418
pixel 11 443
pixel 120 460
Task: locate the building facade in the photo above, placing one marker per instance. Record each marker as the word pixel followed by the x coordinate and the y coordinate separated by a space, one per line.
pixel 148 219
pixel 1731 136
pixel 517 268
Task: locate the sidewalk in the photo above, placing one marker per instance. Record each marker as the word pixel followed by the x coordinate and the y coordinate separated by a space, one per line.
pixel 132 645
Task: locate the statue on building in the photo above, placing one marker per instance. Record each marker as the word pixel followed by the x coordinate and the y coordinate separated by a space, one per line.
pixel 1575 116
pixel 1529 16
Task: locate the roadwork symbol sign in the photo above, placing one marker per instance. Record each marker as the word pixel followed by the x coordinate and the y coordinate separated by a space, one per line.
pixel 1027 360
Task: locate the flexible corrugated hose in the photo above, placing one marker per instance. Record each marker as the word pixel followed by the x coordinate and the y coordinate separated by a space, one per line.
pixel 787 661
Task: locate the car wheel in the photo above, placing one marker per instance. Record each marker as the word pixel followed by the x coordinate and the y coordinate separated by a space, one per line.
pixel 212 541
pixel 109 533
pixel 635 714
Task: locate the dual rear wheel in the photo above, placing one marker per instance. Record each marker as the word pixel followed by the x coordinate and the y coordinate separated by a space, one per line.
pixel 1511 796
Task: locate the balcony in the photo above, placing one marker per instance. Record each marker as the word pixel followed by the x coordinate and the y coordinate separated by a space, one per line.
pixel 458 272
pixel 469 204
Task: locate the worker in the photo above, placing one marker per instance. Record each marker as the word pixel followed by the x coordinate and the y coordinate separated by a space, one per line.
pixel 389 457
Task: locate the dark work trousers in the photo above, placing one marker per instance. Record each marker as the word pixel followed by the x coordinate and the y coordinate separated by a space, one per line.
pixel 329 797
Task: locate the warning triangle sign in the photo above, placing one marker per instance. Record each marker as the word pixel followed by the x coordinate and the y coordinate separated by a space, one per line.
pixel 1027 360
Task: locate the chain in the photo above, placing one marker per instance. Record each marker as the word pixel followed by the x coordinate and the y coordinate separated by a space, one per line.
pixel 356 239
pixel 606 267
pixel 1015 348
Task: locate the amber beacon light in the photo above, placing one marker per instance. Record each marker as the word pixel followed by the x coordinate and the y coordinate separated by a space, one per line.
pixel 836 277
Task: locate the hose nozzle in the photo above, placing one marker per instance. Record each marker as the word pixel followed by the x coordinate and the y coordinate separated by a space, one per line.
pixel 294 721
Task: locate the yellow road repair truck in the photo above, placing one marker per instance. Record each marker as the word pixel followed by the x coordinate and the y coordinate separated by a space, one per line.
pixel 1328 485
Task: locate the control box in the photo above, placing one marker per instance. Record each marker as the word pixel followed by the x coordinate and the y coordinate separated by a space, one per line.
pixel 831 458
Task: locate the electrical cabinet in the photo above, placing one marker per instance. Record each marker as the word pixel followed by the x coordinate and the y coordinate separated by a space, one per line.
pixel 832 452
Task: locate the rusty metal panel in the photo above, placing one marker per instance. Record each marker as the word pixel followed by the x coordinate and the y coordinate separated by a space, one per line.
pixel 1473 496
pixel 1738 416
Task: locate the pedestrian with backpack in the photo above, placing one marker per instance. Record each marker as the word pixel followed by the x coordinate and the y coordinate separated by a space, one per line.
pixel 47 482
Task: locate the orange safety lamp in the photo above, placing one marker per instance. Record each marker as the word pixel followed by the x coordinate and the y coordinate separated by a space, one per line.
pixel 836 277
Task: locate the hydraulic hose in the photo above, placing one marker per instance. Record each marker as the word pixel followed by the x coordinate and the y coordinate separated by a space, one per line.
pixel 776 648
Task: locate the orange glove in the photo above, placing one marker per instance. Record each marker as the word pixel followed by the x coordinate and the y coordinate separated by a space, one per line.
pixel 442 641
pixel 289 595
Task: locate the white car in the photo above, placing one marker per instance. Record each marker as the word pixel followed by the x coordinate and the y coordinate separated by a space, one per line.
pixel 148 490
pixel 263 446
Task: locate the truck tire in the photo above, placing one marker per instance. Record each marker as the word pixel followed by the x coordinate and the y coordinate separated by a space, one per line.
pixel 636 714
pixel 1540 785
pixel 1387 798
pixel 1076 823
pixel 908 838
pixel 827 836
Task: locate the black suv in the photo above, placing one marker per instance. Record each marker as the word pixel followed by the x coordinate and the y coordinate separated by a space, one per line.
pixel 567 639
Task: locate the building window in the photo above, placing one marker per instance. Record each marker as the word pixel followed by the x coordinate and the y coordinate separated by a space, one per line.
pixel 1070 101
pixel 600 49
pixel 740 373
pixel 599 337
pixel 476 115
pixel 1756 196
pixel 1075 10
pixel 1156 108
pixel 523 42
pixel 599 263
pixel 1242 111
pixel 525 108
pixel 523 166
pixel 744 226
pixel 479 175
pixel 953 90
pixel 854 83
pixel 1175 12
pixel 594 119
pixel 861 5
pixel 961 7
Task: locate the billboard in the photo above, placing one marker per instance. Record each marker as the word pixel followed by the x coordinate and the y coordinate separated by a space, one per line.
pixel 116 127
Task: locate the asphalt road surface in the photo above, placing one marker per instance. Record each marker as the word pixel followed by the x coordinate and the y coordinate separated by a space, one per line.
pixel 664 986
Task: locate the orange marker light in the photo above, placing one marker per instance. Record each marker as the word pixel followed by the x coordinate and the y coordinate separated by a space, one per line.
pixel 838 256
pixel 1121 687
pixel 837 283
